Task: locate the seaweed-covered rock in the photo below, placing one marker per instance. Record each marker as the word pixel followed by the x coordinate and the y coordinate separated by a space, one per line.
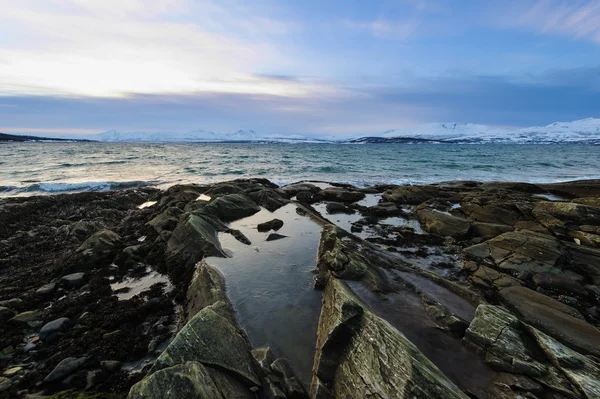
pixel 360 355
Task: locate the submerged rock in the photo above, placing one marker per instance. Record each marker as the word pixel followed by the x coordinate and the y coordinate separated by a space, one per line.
pixel 360 355
pixel 274 224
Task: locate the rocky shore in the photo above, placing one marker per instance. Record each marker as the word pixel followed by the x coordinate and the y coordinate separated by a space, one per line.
pixel 243 289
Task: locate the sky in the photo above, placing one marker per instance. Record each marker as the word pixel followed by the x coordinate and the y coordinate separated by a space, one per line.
pixel 327 67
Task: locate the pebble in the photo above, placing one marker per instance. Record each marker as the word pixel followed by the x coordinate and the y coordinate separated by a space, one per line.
pixel 6 313
pixel 111 334
pixel 46 289
pixel 112 366
pixel 12 371
pixel 54 327
pixel 74 280
pixel 5 383
pixel 65 368
pixel 11 303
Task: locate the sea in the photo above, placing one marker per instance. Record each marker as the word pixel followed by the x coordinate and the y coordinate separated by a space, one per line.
pixel 51 168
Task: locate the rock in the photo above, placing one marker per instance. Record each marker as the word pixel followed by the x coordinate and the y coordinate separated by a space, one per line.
pixel 46 289
pixel 166 220
pixel 26 317
pixel 569 212
pixel 49 330
pixel 12 371
pixel 275 236
pixel 6 313
pixel 238 235
pixel 112 366
pixel 531 226
pixel 489 278
pixel 560 321
pixel 591 201
pixel 84 228
pixel 297 188
pixel 592 240
pixel 112 334
pixel 5 384
pixel 338 194
pixel 360 355
pixel 444 225
pixel 274 224
pixel 189 380
pixel 269 199
pixel 281 368
pixel 488 230
pixel 231 207
pixel 194 237
pixel 294 388
pixel 411 195
pixel 499 212
pixel 74 280
pixel 13 303
pixel 212 340
pixel 384 209
pixel 101 243
pixel 304 196
pixel 338 207
pixel 520 251
pixel 65 368
pixel 264 357
pixel 208 288
pixel 559 283
pixel 581 188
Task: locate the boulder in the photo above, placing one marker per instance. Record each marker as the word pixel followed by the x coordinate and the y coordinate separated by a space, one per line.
pixel 585 238
pixel 520 252
pixel 360 355
pixel 441 224
pixel 495 212
pixel 189 380
pixel 46 289
pixel 570 212
pixel 65 368
pixel 231 207
pixel 269 199
pixel 338 207
pixel 490 278
pixel 411 195
pixel 74 280
pixel 100 243
pixel 195 237
pixel 556 319
pixel 208 288
pixel 50 329
pixel 212 340
pixel 338 194
pixel 166 220
pixel 580 188
pixel 296 188
pixel 6 313
pixel 591 201
pixel 274 224
pixel 383 209
pixel 304 196
pixel 560 284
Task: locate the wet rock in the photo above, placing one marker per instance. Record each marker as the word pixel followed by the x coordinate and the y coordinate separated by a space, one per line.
pixel 26 317
pixel 496 212
pixel 269 199
pixel 352 361
pixel 592 240
pixel 84 228
pixel 231 207
pixel 294 388
pixel 338 194
pixel 282 368
pixel 6 313
pixel 46 289
pixel 189 380
pixel 238 235
pixel 520 251
pixel 194 237
pixel 570 212
pixel 212 340
pixel 111 335
pixel 166 220
pixel 531 226
pixel 304 196
pixel 560 321
pixel 5 384
pixel 274 224
pixel 112 366
pixel 51 329
pixel 591 201
pixel 384 209
pixel 99 247
pixel 582 188
pixel 444 225
pixel 208 288
pixel 490 278
pixel 297 188
pixel 65 368
pixel 411 195
pixel 488 230
pixel 559 283
pixel 275 236
pixel 264 357
pixel 338 207
pixel 74 280
pixel 14 303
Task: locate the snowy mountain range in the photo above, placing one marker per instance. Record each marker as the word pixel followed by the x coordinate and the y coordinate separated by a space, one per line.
pixel 580 131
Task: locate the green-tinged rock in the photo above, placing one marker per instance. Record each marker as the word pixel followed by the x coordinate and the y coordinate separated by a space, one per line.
pixel 443 225
pixel 231 207
pixel 360 355
pixel 208 288
pixel 101 242
pixel 570 212
pixel 589 239
pixel 189 380
pixel 520 251
pixel 28 316
pixel 166 220
pixel 554 318
pixel 195 237
pixel 212 340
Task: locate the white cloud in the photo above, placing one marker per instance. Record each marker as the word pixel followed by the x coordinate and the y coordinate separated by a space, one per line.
pixel 384 29
pixel 114 47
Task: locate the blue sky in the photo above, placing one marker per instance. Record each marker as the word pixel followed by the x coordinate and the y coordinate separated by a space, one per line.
pixel 321 67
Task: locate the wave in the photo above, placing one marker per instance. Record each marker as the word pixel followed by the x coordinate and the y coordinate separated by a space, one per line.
pixel 55 187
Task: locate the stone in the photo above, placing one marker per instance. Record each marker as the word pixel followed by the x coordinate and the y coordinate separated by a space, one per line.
pixel 569 212
pixel 46 289
pixel 208 288
pixel 273 224
pixel 26 317
pixel 189 380
pixel 498 212
pixel 559 283
pixel 6 313
pixel 5 384
pixel 269 199
pixel 111 335
pixel 65 368
pixel 238 235
pixel 195 236
pixel 488 230
pixel 294 388
pixel 338 207
pixel 212 340
pixel 74 280
pixel 282 368
pixel 304 196
pixel 13 303
pixel 520 251
pixel 100 243
pixel 589 239
pixel 10 372
pixel 360 355
pixel 443 225
pixel 554 318
pixel 264 357
pixel 338 194
pixel 231 207
pixel 297 188
pixel 112 366
pixel 274 237
pixel 490 278
pixel 49 330
pixel 411 195
pixel 384 209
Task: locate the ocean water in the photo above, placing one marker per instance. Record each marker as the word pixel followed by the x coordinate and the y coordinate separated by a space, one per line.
pixel 43 168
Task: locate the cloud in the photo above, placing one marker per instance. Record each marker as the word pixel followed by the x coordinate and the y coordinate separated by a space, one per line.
pixel 576 19
pixel 385 29
pixel 110 48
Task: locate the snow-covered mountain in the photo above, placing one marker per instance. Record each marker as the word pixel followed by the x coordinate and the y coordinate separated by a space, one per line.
pixel 581 131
